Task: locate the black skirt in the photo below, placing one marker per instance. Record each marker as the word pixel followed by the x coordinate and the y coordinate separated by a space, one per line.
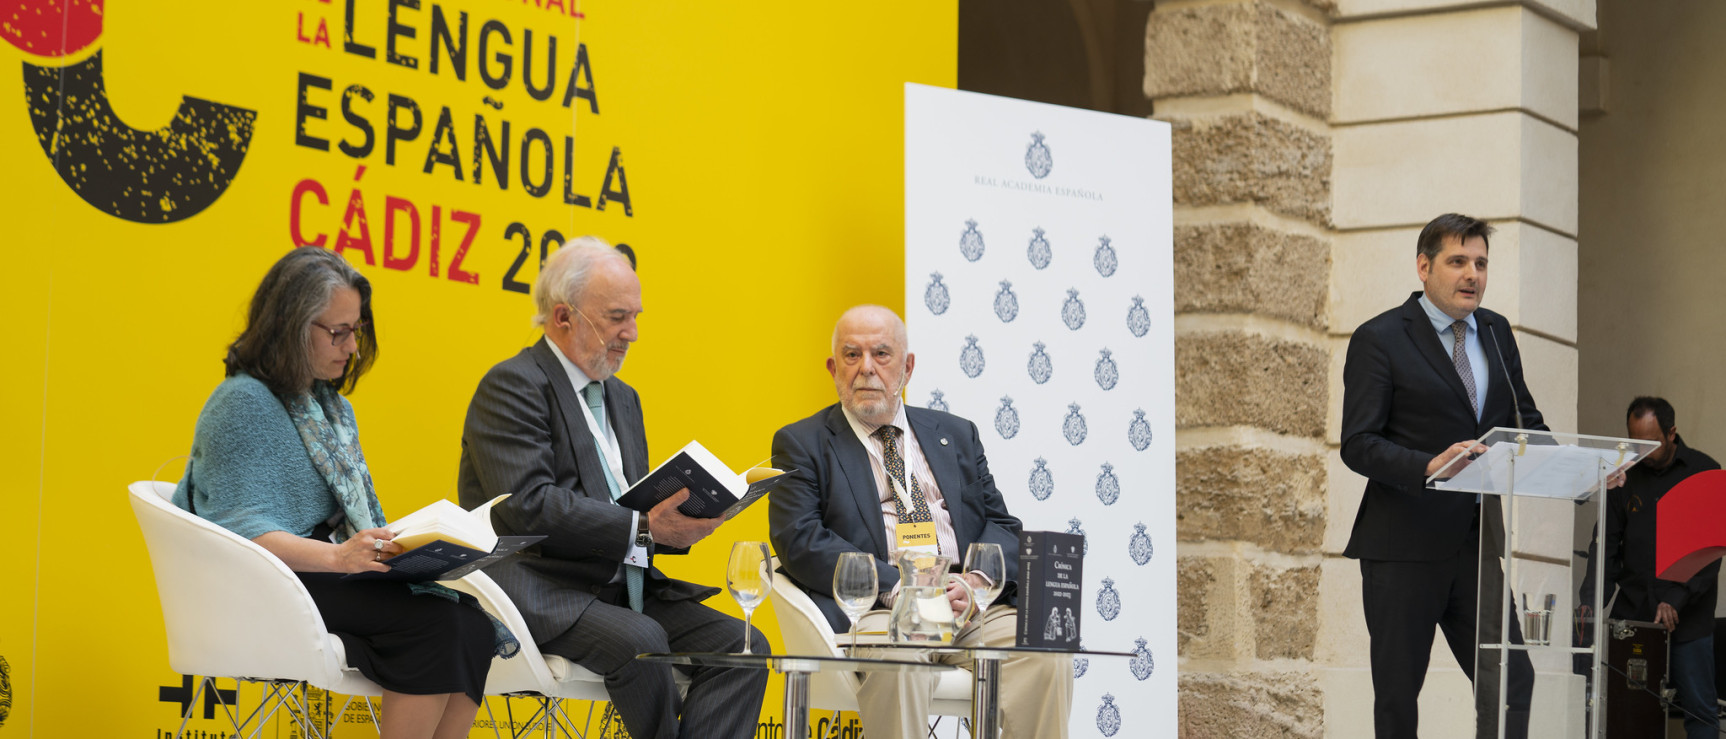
pixel 407 643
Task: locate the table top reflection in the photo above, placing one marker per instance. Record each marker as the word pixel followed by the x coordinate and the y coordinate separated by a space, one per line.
pixel 791 663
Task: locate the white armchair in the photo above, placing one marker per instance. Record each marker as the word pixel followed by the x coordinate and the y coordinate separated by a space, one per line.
pixel 548 678
pixel 272 633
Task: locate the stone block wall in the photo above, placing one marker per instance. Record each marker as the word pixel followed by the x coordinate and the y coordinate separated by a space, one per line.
pixel 1246 87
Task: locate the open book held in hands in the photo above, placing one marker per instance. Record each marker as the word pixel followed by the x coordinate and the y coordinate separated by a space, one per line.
pixel 444 542
pixel 714 490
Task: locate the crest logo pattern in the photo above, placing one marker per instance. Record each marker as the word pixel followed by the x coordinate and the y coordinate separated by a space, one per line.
pixel 1042 482
pixel 1039 366
pixel 1073 310
pixel 1108 601
pixel 1038 160
pixel 935 295
pixel 962 288
pixel 1073 426
pixel 1007 419
pixel 1073 528
pixel 1139 431
pixel 1108 486
pixel 1108 716
pixel 1038 251
pixel 1104 258
pixel 1006 303
pixel 971 241
pixel 1139 547
pixel 1107 374
pixel 1142 665
pixel 971 358
pixel 1138 319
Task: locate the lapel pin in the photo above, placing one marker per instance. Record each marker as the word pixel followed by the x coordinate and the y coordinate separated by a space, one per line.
pixel 943 441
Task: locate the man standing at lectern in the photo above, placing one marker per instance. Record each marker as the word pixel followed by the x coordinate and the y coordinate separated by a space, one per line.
pixel 1421 383
pixel 1684 608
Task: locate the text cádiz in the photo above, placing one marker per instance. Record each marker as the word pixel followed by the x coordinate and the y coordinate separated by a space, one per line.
pixel 546 69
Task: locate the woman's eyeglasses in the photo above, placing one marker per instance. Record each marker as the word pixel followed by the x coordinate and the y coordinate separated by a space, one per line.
pixel 339 336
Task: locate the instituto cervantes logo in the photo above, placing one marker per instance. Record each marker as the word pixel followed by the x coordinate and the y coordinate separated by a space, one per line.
pixel 1038 160
pixel 160 176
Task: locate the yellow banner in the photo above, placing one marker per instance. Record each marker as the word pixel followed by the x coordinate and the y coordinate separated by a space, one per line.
pixel 162 154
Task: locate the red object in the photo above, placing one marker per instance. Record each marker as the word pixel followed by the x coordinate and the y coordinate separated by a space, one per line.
pixel 1690 526
pixel 51 28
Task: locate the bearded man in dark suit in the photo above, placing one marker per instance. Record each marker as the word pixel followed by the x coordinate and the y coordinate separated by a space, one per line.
pixel 556 429
pixel 1421 383
pixel 869 466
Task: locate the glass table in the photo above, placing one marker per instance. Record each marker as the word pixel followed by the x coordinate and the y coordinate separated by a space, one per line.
pixel 796 670
pixel 986 683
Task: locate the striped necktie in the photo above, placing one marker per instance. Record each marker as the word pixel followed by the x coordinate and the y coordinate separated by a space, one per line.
pixel 1459 357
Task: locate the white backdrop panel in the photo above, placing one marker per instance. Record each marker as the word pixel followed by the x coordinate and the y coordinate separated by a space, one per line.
pixel 1038 270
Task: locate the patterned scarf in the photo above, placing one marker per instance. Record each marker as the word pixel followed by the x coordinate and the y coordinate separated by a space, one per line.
pixel 327 428
pixel 332 438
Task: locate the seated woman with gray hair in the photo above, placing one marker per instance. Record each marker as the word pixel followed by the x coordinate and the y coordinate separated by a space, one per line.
pixel 276 458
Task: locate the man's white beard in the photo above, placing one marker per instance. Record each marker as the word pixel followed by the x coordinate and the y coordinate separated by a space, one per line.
pixel 876 411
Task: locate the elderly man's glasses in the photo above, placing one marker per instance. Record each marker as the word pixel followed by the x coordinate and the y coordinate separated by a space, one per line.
pixel 339 336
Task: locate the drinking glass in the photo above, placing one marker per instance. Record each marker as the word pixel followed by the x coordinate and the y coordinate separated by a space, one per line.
pixel 855 587
pixel 747 578
pixel 986 558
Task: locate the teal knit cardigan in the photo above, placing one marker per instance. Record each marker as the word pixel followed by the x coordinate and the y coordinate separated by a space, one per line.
pixel 249 471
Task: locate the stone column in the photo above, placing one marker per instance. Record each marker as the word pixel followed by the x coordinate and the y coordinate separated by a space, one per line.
pixel 1246 86
pixel 1440 106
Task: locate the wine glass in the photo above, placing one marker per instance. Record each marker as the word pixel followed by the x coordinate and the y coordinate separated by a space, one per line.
pixel 985 557
pixel 855 587
pixel 747 578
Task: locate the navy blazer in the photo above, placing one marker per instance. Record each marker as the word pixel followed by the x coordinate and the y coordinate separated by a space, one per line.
pixel 829 504
pixel 1402 404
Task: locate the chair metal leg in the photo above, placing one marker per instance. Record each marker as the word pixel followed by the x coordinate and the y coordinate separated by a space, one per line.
pixel 490 717
pixel 275 696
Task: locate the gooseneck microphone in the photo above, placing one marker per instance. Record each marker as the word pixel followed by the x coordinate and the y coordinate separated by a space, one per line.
pixel 1515 407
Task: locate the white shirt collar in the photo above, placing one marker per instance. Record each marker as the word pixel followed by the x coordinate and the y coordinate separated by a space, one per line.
pixel 577 378
pixel 1441 321
pixel 865 430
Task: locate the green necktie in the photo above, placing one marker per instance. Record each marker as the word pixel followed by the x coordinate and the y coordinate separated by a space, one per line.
pixel 632 574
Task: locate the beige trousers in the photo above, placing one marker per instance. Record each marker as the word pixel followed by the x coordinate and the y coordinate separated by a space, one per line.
pixel 1036 689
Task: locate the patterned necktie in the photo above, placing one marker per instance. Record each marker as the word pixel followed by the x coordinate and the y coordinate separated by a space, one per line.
pixel 919 512
pixel 1459 357
pixel 632 575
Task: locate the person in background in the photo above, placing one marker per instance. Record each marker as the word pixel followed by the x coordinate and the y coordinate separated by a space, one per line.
pixel 1686 608
pixel 276 459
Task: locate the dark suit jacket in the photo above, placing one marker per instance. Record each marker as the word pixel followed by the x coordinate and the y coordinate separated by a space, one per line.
pixel 830 505
pixel 1402 404
pixel 525 435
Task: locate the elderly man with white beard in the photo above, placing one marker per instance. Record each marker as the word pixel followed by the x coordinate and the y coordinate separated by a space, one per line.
pixel 867 470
